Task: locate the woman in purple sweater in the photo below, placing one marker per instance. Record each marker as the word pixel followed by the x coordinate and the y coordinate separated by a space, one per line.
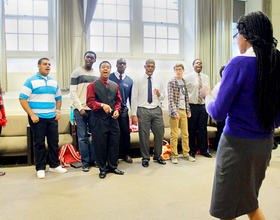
pixel 249 98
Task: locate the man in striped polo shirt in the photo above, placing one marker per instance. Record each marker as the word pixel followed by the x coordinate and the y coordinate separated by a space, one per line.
pixel 40 97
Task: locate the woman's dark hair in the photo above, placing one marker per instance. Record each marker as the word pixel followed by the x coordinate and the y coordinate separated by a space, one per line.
pixel 256 28
pixel 221 71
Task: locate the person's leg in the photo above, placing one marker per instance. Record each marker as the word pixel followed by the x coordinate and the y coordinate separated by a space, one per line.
pixel 82 132
pixel 192 128
pixel 174 123
pixel 183 123
pixel 52 139
pixel 99 138
pixel 113 143
pixel 123 120
pixel 256 215
pixel 144 124
pixel 202 130
pixel 39 133
pixel 92 158
pixel 158 131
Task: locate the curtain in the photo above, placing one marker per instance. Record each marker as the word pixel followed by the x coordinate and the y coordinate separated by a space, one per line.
pixel 213 35
pixel 3 56
pixel 86 11
pixel 266 7
pixel 64 42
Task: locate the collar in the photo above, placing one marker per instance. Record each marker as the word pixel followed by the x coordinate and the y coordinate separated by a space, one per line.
pixel 146 75
pixel 103 81
pixel 117 74
pixel 249 53
pixel 43 77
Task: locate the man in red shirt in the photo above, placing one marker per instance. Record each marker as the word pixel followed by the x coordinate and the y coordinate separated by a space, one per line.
pixel 104 99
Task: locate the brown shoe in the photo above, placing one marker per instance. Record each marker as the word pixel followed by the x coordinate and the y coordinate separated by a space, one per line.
pixel 128 159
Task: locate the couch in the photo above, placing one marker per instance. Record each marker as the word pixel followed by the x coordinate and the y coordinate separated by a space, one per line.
pixel 134 137
pixel 16 139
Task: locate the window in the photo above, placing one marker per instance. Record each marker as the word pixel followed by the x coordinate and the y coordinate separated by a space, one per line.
pixel 27 24
pixel 136 28
pixel 161 26
pixel 110 27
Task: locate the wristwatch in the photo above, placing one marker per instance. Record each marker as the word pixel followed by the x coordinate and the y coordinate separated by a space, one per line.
pixel 58 111
pixel 102 105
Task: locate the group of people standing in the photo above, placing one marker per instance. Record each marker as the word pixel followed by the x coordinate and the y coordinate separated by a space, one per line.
pixel 248 98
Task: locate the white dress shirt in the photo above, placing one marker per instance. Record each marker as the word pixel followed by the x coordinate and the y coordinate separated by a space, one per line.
pixel 193 87
pixel 216 90
pixel 139 95
pixel 117 74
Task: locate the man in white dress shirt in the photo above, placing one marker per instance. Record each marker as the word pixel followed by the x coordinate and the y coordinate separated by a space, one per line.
pixel 198 121
pixel 147 93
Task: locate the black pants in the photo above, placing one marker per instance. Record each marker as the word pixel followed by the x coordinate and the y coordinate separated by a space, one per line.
pixel 197 126
pixel 45 128
pixel 123 120
pixel 106 136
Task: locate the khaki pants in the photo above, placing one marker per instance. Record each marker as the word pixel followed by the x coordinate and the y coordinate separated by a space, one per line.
pixel 174 127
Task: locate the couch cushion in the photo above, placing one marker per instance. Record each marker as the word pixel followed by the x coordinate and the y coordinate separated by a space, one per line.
pixel 13 146
pixel 16 126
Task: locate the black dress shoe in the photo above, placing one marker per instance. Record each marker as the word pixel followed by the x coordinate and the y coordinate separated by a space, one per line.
pixel 128 159
pixel 117 171
pixel 145 163
pixel 161 161
pixel 206 154
pixel 102 174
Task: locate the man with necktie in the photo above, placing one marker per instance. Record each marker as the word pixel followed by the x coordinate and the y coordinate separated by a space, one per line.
pixel 195 81
pixel 125 85
pixel 147 93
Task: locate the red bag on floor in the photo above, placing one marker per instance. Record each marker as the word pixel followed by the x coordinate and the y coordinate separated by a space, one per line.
pixel 68 154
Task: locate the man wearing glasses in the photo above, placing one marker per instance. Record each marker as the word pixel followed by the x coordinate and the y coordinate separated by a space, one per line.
pixel 179 112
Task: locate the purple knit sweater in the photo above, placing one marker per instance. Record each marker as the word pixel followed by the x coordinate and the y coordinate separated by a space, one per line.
pixel 237 99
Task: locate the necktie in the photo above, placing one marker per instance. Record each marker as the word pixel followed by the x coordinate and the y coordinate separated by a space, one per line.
pixel 106 84
pixel 199 88
pixel 120 77
pixel 150 95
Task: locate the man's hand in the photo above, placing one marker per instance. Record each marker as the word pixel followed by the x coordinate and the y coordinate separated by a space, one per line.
pixel 115 115
pixel 205 92
pixel 177 117
pixel 57 116
pixel 156 91
pixel 107 108
pixel 34 118
pixel 83 113
pixel 189 115
pixel 134 120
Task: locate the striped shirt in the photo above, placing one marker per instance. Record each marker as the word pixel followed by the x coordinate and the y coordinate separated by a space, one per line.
pixel 173 91
pixel 42 95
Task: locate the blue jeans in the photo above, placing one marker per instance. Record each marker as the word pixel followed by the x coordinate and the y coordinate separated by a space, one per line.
pixel 83 125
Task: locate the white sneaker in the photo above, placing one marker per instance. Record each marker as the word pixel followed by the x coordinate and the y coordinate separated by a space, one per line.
pixel 189 158
pixel 174 160
pixel 58 169
pixel 41 174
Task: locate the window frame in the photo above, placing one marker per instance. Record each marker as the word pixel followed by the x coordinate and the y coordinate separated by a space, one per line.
pixel 137 36
pixel 51 35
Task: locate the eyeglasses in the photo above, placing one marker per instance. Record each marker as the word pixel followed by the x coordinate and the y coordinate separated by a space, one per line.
pixel 178 69
pixel 235 36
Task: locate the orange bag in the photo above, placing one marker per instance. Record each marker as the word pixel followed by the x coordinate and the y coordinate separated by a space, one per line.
pixel 166 151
